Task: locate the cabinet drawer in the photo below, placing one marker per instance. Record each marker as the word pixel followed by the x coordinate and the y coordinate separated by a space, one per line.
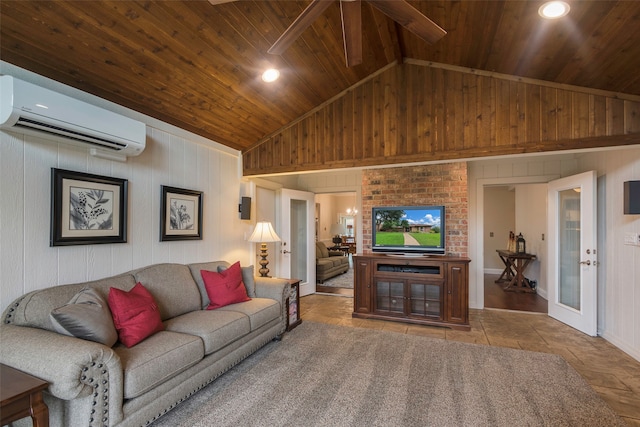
pixel 400 268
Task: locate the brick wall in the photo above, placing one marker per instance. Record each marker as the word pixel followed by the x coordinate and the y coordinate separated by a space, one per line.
pixel 442 184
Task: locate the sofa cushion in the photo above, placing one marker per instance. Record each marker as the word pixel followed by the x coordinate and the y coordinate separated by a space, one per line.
pixel 260 311
pixel 135 314
pixel 34 308
pixel 197 277
pixel 247 278
pixel 172 286
pixel 86 316
pixel 324 264
pixel 224 288
pixel 216 328
pixel 157 359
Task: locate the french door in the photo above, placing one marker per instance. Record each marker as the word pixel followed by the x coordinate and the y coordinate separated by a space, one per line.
pixel 295 211
pixel 573 260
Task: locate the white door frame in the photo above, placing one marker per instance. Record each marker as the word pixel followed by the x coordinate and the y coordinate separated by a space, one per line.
pixel 478 257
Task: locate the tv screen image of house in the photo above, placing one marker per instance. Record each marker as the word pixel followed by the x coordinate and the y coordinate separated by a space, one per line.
pixel 409 229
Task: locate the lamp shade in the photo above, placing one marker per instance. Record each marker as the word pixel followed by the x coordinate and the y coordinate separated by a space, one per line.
pixel 337 229
pixel 264 232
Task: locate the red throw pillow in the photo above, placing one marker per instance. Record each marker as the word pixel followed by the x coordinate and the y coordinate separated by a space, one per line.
pixel 135 314
pixel 224 288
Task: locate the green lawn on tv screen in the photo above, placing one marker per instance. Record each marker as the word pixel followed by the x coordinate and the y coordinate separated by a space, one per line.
pixel 392 238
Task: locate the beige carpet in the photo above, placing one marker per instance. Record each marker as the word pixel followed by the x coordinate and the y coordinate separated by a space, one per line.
pixel 324 375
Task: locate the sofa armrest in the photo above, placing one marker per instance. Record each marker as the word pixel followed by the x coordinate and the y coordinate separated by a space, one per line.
pixel 274 288
pixel 277 289
pixel 72 366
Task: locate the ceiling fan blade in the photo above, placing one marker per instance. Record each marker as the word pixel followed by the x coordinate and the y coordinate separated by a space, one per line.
pixel 410 18
pixel 352 31
pixel 302 22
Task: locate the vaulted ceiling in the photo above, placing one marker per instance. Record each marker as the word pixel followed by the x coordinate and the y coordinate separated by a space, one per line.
pixel 197 64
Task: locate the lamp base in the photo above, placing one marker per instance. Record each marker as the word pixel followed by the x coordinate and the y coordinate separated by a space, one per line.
pixel 264 271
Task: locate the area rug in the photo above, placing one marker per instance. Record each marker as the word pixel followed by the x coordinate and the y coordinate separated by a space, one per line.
pixel 344 280
pixel 325 375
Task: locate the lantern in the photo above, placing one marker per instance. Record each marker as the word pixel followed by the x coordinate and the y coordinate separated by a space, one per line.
pixel 521 245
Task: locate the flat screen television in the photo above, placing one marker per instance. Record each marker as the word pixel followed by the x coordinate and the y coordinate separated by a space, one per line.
pixel 409 230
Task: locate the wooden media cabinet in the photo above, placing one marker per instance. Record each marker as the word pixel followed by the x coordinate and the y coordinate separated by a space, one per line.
pixel 427 290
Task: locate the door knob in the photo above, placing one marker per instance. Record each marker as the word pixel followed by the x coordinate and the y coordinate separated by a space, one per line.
pixel 585 262
pixel 286 252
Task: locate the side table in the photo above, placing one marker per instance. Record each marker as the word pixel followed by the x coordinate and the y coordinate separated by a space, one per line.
pixel 515 266
pixel 293 305
pixel 21 397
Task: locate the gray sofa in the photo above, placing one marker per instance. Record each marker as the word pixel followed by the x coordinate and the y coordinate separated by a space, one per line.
pixel 92 384
pixel 329 263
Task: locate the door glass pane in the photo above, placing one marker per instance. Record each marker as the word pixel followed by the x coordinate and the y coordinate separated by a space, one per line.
pixel 425 299
pixel 569 248
pixel 389 296
pixel 299 239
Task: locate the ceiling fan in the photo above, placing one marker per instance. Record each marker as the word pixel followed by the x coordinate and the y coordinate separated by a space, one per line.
pixel 398 10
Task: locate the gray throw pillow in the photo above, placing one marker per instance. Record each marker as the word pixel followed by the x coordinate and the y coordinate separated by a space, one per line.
pixel 86 316
pixel 247 279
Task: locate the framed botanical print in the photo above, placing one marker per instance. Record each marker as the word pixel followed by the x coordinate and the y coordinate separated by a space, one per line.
pixel 181 214
pixel 87 209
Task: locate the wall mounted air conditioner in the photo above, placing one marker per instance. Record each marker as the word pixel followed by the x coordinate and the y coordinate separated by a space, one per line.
pixel 27 108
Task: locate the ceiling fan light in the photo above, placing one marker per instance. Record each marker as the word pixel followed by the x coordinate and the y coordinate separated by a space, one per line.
pixel 270 75
pixel 553 9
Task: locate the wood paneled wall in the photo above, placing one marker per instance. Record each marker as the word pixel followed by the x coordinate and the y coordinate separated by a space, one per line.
pixel 416 112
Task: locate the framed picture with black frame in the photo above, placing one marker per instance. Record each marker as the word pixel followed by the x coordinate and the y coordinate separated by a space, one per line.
pixel 87 209
pixel 180 214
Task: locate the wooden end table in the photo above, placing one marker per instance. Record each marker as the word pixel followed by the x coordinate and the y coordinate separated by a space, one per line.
pixel 21 397
pixel 293 305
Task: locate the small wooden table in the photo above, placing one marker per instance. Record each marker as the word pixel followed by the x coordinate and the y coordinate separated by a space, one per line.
pixel 21 397
pixel 515 266
pixel 293 304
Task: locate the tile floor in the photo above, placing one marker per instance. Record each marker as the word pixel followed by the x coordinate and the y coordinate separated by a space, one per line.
pixel 611 372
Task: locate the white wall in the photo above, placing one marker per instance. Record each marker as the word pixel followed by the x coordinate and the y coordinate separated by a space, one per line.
pixel 619 264
pixel 173 157
pixel 499 220
pixel 531 221
pixel 326 218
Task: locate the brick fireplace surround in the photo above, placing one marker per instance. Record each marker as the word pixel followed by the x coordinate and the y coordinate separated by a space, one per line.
pixel 442 184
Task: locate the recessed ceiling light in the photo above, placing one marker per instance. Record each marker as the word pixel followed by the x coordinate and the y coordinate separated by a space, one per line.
pixel 270 75
pixel 553 9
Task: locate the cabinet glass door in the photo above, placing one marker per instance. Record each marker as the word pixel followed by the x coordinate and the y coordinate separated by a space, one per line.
pixel 389 296
pixel 426 299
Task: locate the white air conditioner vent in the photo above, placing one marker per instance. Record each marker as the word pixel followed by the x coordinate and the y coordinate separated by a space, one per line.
pixel 27 108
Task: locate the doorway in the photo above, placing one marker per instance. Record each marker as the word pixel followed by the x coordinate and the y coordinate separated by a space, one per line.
pixel 514 209
pixel 337 223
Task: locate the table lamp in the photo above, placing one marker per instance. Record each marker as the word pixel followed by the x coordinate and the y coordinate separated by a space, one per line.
pixel 263 234
pixel 337 230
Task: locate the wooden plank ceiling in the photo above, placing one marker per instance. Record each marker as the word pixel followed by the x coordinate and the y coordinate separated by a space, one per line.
pixel 197 65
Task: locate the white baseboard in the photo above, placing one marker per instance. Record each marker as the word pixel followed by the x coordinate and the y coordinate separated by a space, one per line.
pixel 620 344
pixel 493 270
